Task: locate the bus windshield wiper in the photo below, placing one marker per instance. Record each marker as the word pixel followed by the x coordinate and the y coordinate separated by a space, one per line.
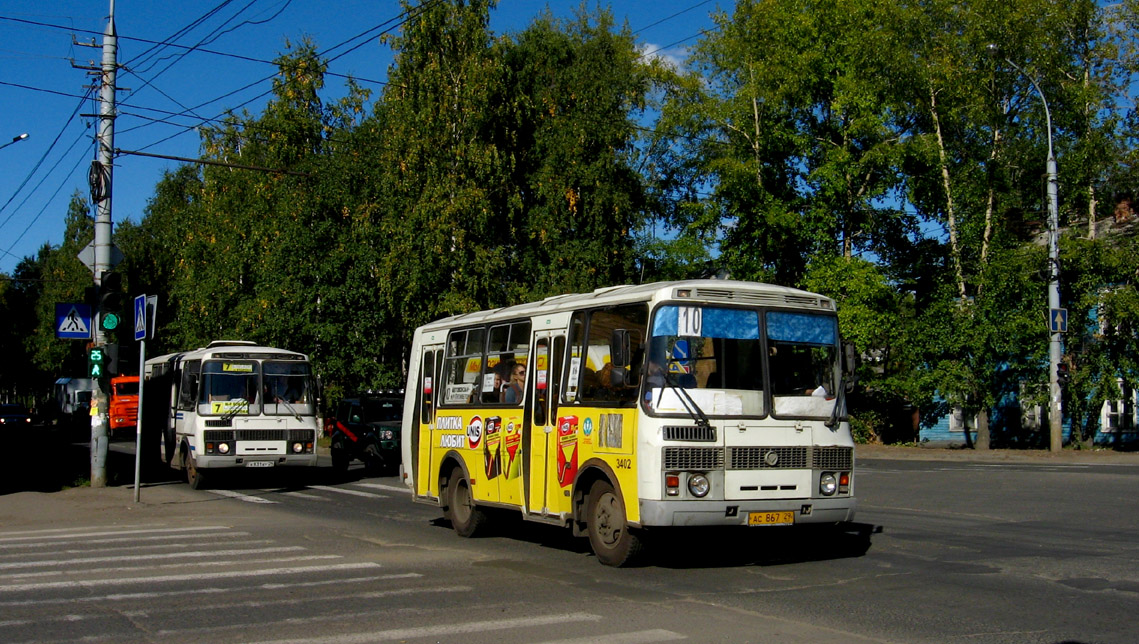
pixel 282 401
pixel 690 405
pixel 235 409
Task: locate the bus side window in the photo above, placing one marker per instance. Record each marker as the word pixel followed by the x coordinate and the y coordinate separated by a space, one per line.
pixel 555 382
pixel 541 380
pixel 188 390
pixel 427 386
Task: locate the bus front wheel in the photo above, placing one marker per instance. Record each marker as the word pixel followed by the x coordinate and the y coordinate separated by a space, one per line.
pixel 194 476
pixel 614 543
pixel 466 517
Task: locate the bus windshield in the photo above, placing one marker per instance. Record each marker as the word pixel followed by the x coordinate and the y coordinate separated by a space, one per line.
pixel 229 387
pixel 288 388
pixel 716 355
pixel 803 363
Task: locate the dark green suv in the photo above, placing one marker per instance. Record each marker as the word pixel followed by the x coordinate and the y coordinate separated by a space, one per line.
pixel 367 428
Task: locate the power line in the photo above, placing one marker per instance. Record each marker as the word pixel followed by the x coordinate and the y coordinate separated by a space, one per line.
pixel 44 209
pixel 43 157
pixel 407 16
pixel 666 19
pixel 214 51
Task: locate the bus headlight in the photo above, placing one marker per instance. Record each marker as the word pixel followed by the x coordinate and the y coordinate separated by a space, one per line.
pixel 223 448
pixel 827 484
pixel 298 448
pixel 698 485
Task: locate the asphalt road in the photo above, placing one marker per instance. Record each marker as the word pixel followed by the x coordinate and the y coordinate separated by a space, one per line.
pixel 962 550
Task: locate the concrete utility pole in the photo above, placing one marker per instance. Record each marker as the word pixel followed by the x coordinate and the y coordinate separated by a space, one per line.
pixel 101 193
pixel 1055 410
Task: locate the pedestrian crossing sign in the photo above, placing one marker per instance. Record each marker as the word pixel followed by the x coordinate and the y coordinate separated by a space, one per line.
pixel 73 321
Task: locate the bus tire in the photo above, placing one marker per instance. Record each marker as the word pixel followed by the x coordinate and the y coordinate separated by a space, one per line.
pixel 467 518
pixel 340 460
pixel 169 444
pixel 194 476
pixel 610 536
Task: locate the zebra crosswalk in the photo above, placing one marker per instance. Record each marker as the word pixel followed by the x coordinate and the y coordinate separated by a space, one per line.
pixel 150 582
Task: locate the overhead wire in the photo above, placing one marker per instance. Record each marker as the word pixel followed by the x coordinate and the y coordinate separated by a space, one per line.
pixel 43 157
pixel 403 18
pixel 364 38
pixel 49 200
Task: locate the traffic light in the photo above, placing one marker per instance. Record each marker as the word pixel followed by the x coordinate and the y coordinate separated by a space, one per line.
pixel 111 359
pixel 1063 375
pixel 110 301
pixel 95 362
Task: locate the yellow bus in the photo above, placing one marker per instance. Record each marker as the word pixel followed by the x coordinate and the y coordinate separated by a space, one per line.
pixel 689 403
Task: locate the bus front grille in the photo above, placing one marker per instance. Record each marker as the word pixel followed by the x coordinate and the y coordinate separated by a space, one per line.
pixel 689 433
pixel 290 435
pixel 833 458
pixel 693 458
pixel 767 458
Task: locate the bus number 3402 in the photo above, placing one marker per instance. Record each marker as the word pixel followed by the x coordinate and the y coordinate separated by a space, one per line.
pixel 624 463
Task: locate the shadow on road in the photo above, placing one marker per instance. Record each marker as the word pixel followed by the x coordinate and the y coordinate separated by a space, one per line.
pixel 51 459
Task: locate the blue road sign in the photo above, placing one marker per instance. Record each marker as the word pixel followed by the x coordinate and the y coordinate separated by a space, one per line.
pixel 73 321
pixel 1058 320
pixel 140 317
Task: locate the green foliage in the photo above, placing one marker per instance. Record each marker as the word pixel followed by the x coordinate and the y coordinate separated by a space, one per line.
pixel 870 150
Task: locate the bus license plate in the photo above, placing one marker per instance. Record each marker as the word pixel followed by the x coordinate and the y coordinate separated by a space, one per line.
pixel 259 464
pixel 770 518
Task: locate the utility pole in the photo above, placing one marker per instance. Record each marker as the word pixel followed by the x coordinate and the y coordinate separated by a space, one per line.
pixel 1055 351
pixel 100 179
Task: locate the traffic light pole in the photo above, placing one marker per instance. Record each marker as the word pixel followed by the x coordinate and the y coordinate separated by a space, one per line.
pixel 101 193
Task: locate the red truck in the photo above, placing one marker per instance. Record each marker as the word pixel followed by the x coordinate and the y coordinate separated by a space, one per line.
pixel 124 404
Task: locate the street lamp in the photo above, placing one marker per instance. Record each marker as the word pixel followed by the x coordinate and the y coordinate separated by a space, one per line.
pixel 14 139
pixel 1055 421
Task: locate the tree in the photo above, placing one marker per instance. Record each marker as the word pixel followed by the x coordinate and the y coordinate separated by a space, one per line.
pixel 64 279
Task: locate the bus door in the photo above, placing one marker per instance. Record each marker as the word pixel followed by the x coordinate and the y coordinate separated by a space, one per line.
pixel 540 436
pixel 427 449
pixel 185 409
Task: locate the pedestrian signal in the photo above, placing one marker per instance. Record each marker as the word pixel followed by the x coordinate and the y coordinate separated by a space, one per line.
pixel 95 359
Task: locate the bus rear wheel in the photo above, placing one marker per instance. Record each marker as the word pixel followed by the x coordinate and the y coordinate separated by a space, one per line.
pixel 614 543
pixel 466 517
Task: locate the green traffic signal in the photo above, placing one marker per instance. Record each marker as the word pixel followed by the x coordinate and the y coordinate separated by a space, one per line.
pixel 95 358
pixel 109 320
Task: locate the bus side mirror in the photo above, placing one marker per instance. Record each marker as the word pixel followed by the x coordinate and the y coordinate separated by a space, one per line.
pixel 619 348
pixel 849 366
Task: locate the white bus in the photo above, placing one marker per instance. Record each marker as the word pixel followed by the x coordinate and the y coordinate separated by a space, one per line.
pixel 232 404
pixel 691 403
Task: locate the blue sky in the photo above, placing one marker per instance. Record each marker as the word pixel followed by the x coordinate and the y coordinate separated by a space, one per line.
pixel 42 92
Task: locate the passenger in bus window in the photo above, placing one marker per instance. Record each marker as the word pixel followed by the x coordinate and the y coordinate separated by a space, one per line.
pixel 513 394
pixel 502 379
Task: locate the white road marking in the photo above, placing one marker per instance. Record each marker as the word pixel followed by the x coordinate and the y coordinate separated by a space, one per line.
pixel 133 597
pixel 165 555
pixel 131 540
pixel 97 532
pixel 636 637
pixel 328 488
pixel 229 574
pixel 381 486
pixel 248 498
pixel 196 564
pixel 443 630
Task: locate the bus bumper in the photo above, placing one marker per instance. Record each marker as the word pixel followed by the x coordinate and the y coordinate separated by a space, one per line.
pixel 735 513
pixel 277 460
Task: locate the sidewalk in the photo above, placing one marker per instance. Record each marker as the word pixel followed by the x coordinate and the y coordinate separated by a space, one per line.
pixel 931 453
